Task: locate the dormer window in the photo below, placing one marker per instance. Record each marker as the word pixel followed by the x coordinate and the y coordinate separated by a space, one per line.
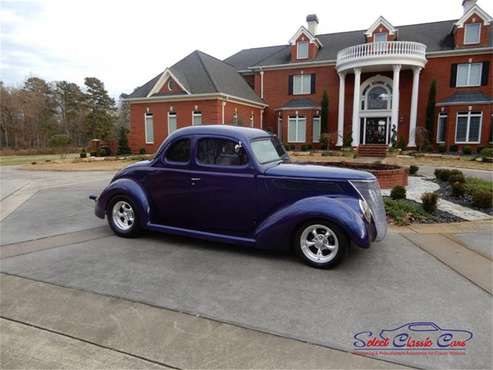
pixel 380 37
pixel 302 50
pixel 472 32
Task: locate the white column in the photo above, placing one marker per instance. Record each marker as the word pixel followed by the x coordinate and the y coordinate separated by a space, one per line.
pixel 261 84
pixel 261 118
pixel 356 104
pixel 414 108
pixel 222 111
pixel 395 101
pixel 340 116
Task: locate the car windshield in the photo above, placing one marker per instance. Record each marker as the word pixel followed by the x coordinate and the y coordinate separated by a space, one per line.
pixel 268 150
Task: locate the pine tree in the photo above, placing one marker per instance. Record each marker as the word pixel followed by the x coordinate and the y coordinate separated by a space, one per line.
pixel 99 120
pixel 123 147
pixel 430 108
pixel 324 112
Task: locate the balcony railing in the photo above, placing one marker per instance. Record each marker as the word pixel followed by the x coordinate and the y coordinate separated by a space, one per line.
pixel 382 50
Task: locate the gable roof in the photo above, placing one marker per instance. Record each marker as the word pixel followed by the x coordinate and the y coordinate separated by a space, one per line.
pixel 200 73
pixel 437 36
pixel 466 97
pixel 302 30
pixel 474 10
pixel 380 21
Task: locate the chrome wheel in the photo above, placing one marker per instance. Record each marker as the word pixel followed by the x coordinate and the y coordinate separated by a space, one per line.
pixel 319 243
pixel 123 215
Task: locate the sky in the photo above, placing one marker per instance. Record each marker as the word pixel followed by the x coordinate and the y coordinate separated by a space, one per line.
pixel 126 43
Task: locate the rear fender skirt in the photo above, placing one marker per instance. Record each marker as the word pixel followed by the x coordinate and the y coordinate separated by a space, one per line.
pixel 127 187
pixel 278 229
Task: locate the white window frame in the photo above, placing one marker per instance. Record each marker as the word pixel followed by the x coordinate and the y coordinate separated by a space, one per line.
pixel 466 33
pixel 377 34
pixel 300 79
pixel 146 122
pixel 297 119
pixel 196 115
pixel 305 56
pixel 469 67
pixel 441 115
pixel 468 115
pixel 176 122
pixel 316 118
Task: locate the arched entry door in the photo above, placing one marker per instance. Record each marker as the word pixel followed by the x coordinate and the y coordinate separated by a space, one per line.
pixel 376 110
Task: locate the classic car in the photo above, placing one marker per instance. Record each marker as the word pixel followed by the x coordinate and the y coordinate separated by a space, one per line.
pixel 237 185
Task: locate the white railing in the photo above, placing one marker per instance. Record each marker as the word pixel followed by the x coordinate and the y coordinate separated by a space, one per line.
pixel 382 49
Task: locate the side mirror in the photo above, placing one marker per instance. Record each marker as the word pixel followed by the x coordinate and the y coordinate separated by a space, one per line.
pixel 238 147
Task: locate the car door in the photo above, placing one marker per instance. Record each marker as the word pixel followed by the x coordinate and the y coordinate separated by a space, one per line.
pixel 223 187
pixel 169 186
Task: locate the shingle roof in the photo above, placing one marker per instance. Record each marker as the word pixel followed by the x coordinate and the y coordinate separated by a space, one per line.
pixel 201 73
pixel 437 36
pixel 467 97
pixel 301 103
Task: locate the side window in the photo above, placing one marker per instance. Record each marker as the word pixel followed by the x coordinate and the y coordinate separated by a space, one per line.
pixel 220 152
pixel 179 151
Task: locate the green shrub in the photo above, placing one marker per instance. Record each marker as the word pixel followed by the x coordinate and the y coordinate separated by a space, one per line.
pixel 430 201
pixel 142 151
pixel 453 148
pixel 94 154
pixel 398 192
pixel 104 151
pixel 442 148
pixel 347 140
pixel 456 177
pixel 458 189
pixel 413 170
pixel 403 211
pixel 305 148
pixel 486 153
pixel 428 148
pixel 83 153
pixel 467 150
pixel 442 174
pixel 482 199
pixel 474 184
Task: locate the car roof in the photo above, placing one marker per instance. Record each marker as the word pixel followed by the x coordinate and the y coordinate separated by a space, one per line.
pixel 241 133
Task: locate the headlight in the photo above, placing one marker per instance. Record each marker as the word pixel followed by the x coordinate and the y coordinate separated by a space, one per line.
pixel 365 209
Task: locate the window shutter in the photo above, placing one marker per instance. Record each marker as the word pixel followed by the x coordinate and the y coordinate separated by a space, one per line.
pixel 484 75
pixel 290 85
pixel 313 83
pixel 453 75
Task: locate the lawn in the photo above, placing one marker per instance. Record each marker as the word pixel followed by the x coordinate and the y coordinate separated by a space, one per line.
pixel 11 160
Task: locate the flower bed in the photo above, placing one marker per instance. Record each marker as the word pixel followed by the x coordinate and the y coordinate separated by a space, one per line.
pixel 388 175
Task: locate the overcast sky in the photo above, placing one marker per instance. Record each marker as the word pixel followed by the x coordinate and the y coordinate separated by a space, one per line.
pixel 125 43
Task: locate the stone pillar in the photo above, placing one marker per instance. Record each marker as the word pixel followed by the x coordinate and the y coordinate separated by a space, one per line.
pixel 395 101
pixel 414 108
pixel 340 116
pixel 356 104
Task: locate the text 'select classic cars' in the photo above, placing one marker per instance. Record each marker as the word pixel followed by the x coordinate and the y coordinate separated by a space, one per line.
pixel 236 185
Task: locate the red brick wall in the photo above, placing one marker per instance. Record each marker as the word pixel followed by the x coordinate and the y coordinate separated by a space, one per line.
pixel 211 114
pixel 244 113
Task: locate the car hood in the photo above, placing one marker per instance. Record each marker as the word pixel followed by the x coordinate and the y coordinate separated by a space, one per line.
pixel 319 172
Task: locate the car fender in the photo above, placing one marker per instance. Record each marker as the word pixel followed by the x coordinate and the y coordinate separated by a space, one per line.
pixel 277 230
pixel 127 187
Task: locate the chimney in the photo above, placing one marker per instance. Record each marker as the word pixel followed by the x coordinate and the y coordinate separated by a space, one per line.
pixel 312 22
pixel 468 4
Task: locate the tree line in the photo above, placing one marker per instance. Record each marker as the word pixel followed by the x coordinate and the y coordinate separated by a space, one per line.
pixel 40 110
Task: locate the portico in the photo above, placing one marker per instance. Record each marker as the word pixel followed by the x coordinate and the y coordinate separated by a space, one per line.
pixel 376 101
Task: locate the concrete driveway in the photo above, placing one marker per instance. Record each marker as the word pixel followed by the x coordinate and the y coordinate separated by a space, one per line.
pixel 393 283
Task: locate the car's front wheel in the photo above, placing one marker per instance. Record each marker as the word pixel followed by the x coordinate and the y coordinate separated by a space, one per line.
pixel 123 217
pixel 321 244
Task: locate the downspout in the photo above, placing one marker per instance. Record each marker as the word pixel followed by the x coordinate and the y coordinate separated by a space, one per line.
pixel 261 84
pixel 223 103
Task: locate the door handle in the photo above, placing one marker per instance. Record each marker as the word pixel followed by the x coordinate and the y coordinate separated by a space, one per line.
pixel 195 178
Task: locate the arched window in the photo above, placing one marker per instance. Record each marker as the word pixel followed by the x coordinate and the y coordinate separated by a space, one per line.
pixel 376 96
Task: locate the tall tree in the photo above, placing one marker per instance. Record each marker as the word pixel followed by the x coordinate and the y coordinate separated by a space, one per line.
pixel 72 110
pixel 324 112
pixel 101 107
pixel 430 108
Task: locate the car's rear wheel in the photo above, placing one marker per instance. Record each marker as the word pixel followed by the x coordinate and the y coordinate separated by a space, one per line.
pixel 123 217
pixel 321 244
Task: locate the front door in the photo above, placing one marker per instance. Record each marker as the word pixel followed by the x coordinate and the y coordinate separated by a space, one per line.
pixel 376 130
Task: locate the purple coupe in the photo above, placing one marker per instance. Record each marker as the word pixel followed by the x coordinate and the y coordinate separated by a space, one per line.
pixel 236 185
